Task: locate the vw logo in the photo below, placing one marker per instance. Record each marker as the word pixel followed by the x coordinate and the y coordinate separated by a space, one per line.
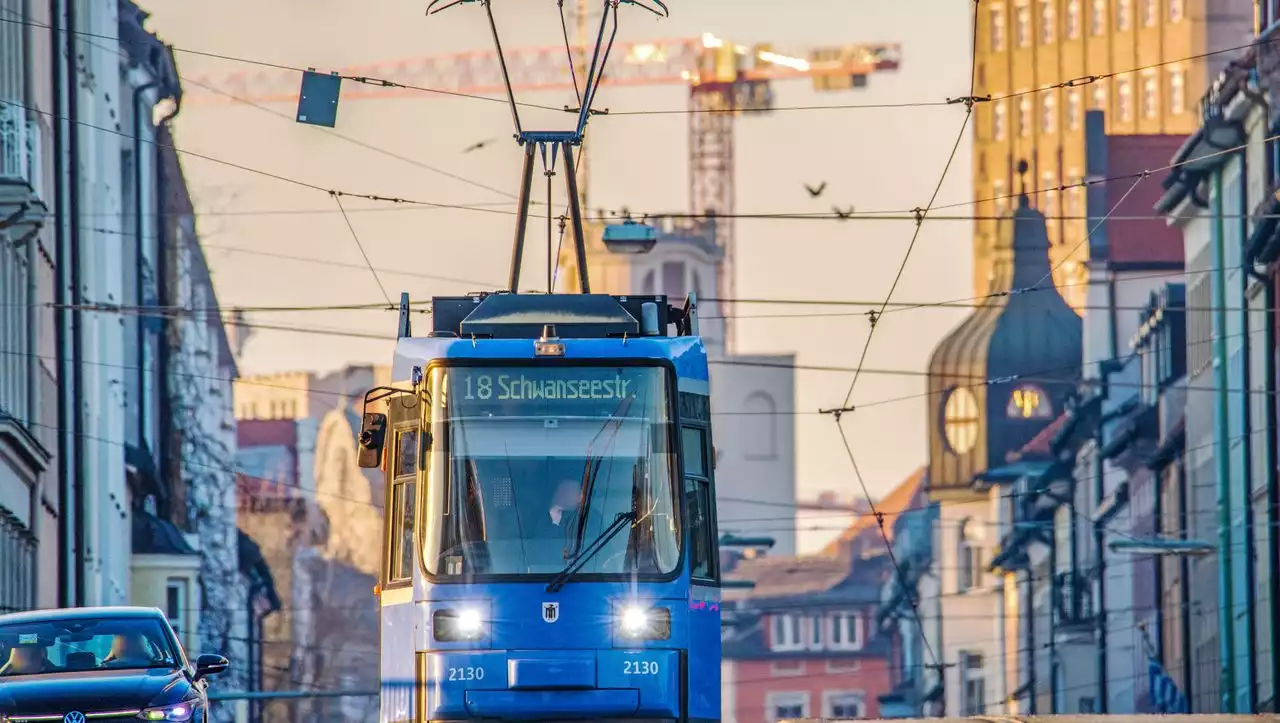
pixel 74 716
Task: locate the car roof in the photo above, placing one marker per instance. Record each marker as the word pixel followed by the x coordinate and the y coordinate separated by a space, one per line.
pixel 88 613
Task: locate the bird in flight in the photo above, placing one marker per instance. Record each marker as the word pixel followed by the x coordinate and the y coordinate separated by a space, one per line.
pixel 816 191
pixel 477 146
pixel 842 213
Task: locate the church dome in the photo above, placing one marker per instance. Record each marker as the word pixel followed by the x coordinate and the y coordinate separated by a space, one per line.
pixel 1008 369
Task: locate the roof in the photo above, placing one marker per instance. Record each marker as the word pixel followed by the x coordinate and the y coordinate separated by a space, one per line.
pixel 35 616
pixel 1041 445
pixel 790 576
pixel 898 500
pixel 152 535
pixel 1145 240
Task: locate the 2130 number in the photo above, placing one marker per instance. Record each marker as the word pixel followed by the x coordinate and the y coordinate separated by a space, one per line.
pixel 466 673
pixel 639 667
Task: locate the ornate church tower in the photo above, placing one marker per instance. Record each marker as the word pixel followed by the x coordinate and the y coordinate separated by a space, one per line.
pixel 1007 371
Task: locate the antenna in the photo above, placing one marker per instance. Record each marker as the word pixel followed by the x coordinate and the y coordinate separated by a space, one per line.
pixel 563 141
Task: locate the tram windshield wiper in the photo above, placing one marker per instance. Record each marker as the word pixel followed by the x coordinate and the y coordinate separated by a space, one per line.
pixel 619 524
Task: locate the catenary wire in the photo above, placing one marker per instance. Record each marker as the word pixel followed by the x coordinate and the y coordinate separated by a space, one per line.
pixel 356 238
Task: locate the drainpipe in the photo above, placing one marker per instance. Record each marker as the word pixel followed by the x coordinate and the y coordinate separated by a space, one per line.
pixel 61 314
pixel 163 241
pixel 1226 605
pixel 1031 642
pixel 1105 369
pixel 1258 101
pixel 75 430
pixel 139 244
pixel 1053 620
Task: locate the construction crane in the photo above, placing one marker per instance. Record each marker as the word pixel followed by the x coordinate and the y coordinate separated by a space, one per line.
pixel 725 80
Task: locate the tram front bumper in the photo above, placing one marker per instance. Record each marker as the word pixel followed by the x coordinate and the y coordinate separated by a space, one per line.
pixel 563 684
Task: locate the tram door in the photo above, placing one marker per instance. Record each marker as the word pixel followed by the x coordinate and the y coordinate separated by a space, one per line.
pixel 404 482
pixel 698 473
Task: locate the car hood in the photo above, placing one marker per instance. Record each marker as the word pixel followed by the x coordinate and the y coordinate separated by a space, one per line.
pixel 89 691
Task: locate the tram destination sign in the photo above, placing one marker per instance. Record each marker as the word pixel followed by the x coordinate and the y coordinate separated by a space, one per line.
pixel 480 387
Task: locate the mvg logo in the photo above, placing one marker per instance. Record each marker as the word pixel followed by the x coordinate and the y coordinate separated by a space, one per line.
pixel 551 611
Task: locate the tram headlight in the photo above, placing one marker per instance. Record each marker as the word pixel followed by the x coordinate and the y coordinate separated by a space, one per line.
pixel 458 624
pixel 638 622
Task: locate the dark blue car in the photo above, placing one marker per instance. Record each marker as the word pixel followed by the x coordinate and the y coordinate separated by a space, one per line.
pixel 99 665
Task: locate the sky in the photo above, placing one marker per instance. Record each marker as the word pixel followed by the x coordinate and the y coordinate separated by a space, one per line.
pixel 888 158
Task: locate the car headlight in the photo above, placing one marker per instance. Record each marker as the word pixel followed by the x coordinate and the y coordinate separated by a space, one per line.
pixel 177 712
pixel 645 623
pixel 456 625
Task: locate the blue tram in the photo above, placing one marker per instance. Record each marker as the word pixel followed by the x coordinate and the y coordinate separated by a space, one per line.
pixel 550 551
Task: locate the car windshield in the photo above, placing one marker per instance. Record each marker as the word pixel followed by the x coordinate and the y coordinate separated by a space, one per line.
pixel 539 461
pixel 55 646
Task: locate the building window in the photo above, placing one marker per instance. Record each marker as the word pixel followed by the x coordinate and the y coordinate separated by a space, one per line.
pixel 844 704
pixel 997 28
pixel 781 706
pixel 999 121
pixel 18 550
pixel 1047 27
pixel 673 281
pixel 175 603
pixel 1049 194
pixel 815 632
pixel 785 631
pixel 1074 194
pixel 1149 13
pixel 972 685
pixel 646 285
pixel 1124 99
pixel 1048 112
pixel 1024 115
pixel 1177 91
pixel 1124 14
pixel 1097 17
pixel 846 631
pixel 1099 96
pixel 1022 25
pixel 761 413
pixel 1177 11
pixel 1150 96
pixel 1073 19
pixel 998 197
pixel 969 557
pixel 1073 109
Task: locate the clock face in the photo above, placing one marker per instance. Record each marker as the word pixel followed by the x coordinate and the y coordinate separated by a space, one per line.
pixel 1029 401
pixel 961 420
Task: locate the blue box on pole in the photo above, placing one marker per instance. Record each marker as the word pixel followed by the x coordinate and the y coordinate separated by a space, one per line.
pixel 318 99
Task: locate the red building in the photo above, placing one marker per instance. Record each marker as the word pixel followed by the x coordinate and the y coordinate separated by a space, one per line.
pixel 804 641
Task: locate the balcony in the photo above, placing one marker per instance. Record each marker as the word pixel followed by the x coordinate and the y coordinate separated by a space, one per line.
pixel 1073 601
pixel 22 212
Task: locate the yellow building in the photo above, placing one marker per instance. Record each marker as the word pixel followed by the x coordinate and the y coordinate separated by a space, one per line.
pixel 1027 45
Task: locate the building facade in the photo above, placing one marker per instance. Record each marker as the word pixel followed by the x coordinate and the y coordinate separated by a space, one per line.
pixel 1133 59
pixel 805 638
pixel 995 383
pixel 116 427
pixel 317 516
pixel 30 498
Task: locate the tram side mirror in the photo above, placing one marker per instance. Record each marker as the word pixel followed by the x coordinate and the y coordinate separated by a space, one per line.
pixel 630 237
pixel 373 435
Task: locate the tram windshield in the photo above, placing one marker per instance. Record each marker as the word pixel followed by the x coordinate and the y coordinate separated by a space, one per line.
pixel 540 461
